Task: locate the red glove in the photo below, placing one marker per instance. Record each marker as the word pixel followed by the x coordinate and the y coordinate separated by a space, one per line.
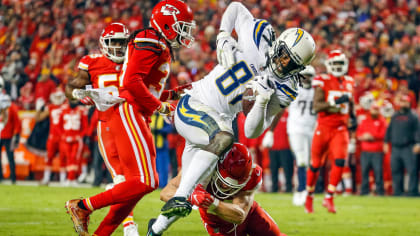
pixel 201 198
pixel 174 94
pixel 87 101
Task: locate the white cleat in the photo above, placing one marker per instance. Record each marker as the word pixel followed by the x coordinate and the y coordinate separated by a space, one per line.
pixel 131 230
pixel 82 178
pixel 302 199
pixel 296 198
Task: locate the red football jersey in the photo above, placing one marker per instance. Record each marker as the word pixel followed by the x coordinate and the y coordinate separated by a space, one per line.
pixel 103 73
pixel 55 114
pixel 74 123
pixel 145 71
pixel 252 185
pixel 334 88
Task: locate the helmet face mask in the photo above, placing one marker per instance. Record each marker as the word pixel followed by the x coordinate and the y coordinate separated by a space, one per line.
pixel 290 53
pixel 337 63
pixel 113 42
pixel 174 20
pixel 233 173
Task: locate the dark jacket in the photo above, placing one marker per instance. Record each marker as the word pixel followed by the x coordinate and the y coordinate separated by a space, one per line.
pixel 403 130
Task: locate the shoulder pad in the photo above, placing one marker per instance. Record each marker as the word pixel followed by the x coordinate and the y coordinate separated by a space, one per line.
pixel 149 38
pixel 88 60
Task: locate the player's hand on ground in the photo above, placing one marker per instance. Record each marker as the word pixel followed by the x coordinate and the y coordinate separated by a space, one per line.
pixel 268 139
pixel 226 48
pixel 166 108
pixel 201 198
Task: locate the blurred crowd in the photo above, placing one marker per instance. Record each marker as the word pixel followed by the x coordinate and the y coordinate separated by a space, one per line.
pixel 41 42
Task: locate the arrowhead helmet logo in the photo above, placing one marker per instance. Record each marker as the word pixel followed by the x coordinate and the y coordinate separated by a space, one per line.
pixel 169 10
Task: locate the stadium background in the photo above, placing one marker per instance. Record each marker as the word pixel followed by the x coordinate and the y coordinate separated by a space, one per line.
pixel 47 39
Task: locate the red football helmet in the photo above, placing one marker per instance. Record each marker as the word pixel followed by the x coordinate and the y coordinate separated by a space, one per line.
pixel 232 173
pixel 337 63
pixel 57 97
pixel 174 20
pixel 113 42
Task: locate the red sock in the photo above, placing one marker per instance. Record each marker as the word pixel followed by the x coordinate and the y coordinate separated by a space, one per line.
pixel 311 180
pixel 128 190
pixel 335 178
pixel 117 213
pixel 71 175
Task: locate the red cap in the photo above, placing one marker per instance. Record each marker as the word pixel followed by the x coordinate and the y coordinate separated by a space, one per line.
pixel 405 98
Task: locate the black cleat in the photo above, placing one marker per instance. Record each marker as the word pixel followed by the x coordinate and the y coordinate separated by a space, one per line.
pixel 177 206
pixel 149 228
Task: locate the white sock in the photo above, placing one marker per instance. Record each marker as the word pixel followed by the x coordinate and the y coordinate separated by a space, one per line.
pixel 62 176
pixel 201 166
pixel 347 183
pixel 162 223
pixel 84 169
pixel 47 175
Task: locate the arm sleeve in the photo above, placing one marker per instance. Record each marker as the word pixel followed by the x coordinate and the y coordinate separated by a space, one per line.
pixel 141 62
pixel 235 17
pixel 257 121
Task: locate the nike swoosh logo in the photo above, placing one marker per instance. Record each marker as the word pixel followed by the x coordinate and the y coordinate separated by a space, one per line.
pixel 263 86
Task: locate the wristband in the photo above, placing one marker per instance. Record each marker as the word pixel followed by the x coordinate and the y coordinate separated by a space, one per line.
pixel 214 205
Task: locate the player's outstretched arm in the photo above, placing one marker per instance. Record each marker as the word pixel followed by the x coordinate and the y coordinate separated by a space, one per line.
pixel 234 17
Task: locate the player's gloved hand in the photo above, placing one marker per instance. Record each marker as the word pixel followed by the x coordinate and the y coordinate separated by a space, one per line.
pixel 166 108
pixel 263 88
pixel 343 99
pixel 226 48
pixel 87 101
pixel 268 139
pixel 201 198
pixel 81 95
pixel 352 146
pixel 174 94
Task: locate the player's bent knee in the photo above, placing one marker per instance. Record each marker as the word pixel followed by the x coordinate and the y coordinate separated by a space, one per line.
pixel 339 162
pixel 118 179
pixel 314 169
pixel 221 143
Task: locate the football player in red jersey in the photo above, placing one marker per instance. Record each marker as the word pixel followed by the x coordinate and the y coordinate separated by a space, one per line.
pixel 146 68
pixel 103 71
pixel 333 101
pixel 226 201
pixel 53 112
pixel 73 124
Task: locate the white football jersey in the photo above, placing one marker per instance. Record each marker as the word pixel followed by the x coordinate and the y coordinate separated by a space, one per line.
pixel 222 89
pixel 302 118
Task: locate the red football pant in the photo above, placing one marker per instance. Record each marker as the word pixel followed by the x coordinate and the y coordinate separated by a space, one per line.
pixel 257 223
pixel 108 149
pixel 71 154
pixel 334 142
pixel 53 146
pixel 135 147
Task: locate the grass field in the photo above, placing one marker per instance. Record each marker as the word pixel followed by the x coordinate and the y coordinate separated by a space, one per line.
pixel 30 210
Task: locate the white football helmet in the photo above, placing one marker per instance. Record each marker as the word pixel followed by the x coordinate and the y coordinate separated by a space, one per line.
pixel 291 52
pixel 367 100
pixel 337 63
pixel 308 74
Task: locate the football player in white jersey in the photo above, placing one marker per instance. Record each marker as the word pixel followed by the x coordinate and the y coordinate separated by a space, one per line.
pixel 266 66
pixel 300 128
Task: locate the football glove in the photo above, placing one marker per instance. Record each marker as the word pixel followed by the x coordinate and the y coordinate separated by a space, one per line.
pixel 201 198
pixel 226 48
pixel 174 94
pixel 268 139
pixel 343 99
pixel 263 89
pixel 165 108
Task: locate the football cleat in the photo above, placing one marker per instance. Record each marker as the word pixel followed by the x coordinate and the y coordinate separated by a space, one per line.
pixel 329 204
pixel 177 206
pixel 80 217
pixel 149 228
pixel 309 208
pixel 131 230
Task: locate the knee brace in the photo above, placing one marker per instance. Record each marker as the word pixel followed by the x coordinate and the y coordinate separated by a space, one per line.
pixel 313 169
pixel 220 144
pixel 339 162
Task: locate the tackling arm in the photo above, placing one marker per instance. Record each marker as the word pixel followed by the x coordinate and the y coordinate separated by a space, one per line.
pixel 237 211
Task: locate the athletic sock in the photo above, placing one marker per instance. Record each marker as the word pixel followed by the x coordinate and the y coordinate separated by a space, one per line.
pixel 162 223
pixel 201 166
pixel 301 178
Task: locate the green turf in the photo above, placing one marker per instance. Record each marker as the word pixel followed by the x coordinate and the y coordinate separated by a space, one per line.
pixel 27 210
